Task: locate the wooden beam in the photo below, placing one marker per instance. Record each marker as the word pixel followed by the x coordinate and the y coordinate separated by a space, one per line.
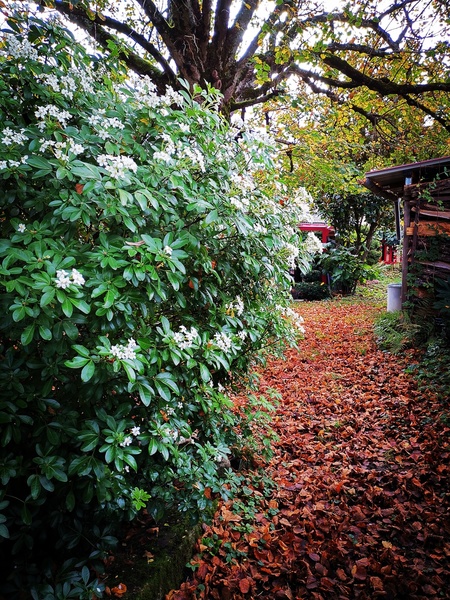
pixel 428 228
pixel 405 252
pixel 438 264
pixel 378 190
pixel 439 214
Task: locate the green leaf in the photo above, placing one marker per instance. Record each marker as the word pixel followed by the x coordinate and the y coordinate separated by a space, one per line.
pixel 67 307
pixel 70 501
pixel 39 162
pixel 85 170
pixel 35 486
pixel 88 371
pixel 81 305
pixel 77 362
pixel 45 333
pixel 81 350
pixel 70 329
pixel 27 335
pixel 204 373
pixel 129 371
pixel 47 298
pixel 211 217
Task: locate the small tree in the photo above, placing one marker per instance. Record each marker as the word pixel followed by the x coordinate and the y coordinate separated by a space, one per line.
pixel 143 272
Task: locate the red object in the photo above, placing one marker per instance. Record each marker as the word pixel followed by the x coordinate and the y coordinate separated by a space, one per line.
pixel 388 254
pixel 325 230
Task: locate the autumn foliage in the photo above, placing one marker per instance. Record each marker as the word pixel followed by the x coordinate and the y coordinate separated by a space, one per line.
pixel 361 466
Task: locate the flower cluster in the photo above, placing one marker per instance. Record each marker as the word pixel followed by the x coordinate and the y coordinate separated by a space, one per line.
pixel 195 156
pixel 61 150
pixel 184 338
pixel 146 94
pixel 294 317
pixel 293 254
pixel 20 49
pixel 62 116
pixel 125 352
pixel 4 164
pixel 68 83
pixel 313 244
pixel 64 278
pixel 223 341
pixel 117 166
pixel 236 307
pixel 241 203
pixel 10 137
pixel 102 124
pixel 126 442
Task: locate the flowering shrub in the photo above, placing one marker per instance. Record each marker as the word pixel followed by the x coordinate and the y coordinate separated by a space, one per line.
pixel 143 272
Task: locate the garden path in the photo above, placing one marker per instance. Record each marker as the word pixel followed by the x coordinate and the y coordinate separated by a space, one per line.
pixel 361 466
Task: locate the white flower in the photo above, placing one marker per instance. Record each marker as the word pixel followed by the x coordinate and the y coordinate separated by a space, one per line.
pixel 13 137
pixel 136 431
pixel 295 318
pixel 20 48
pixel 77 277
pixel 126 442
pixel 3 165
pixel 242 335
pixel 125 352
pixel 21 227
pixel 167 250
pixel 222 341
pixel 117 166
pixel 62 279
pixel 236 307
pixel 184 338
pixel 62 116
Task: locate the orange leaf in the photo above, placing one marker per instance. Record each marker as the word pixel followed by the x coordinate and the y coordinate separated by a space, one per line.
pixel 245 585
pixel 79 188
pixel 119 590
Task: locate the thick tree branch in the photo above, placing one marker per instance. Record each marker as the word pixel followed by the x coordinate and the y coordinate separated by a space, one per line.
pixel 95 27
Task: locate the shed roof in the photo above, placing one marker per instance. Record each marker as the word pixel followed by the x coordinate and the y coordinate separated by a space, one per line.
pixel 392 179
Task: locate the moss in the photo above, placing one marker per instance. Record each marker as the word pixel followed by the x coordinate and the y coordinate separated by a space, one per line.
pixel 153 560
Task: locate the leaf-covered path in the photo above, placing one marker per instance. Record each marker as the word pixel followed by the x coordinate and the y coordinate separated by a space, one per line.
pixel 361 509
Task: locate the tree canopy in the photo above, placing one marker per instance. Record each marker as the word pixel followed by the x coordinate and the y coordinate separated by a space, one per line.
pixel 249 49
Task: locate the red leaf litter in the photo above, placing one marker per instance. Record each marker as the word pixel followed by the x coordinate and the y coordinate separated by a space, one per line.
pixel 361 508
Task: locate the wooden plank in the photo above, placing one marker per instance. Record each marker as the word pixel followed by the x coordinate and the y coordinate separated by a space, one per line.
pixel 439 214
pixel 438 264
pixel 429 228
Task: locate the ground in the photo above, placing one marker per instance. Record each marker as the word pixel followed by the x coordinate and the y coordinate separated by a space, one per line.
pixel 360 504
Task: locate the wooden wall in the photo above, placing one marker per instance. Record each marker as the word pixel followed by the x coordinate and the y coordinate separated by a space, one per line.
pixel 426 244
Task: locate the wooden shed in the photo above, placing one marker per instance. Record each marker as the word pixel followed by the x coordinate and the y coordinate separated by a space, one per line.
pixel 422 191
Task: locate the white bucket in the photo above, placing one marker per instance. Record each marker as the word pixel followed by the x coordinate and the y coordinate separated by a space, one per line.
pixel 394 297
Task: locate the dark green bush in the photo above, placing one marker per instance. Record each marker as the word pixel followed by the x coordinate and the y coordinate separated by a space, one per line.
pixel 313 276
pixel 310 291
pixel 143 271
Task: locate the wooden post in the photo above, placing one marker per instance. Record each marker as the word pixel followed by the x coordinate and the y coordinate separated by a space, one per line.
pixel 405 257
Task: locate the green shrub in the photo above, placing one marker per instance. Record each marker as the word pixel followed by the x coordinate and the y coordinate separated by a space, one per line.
pixel 310 291
pixel 395 332
pixel 143 272
pixel 315 275
pixel 346 269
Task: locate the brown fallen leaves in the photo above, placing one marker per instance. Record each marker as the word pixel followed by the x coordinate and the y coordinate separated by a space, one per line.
pixel 361 509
